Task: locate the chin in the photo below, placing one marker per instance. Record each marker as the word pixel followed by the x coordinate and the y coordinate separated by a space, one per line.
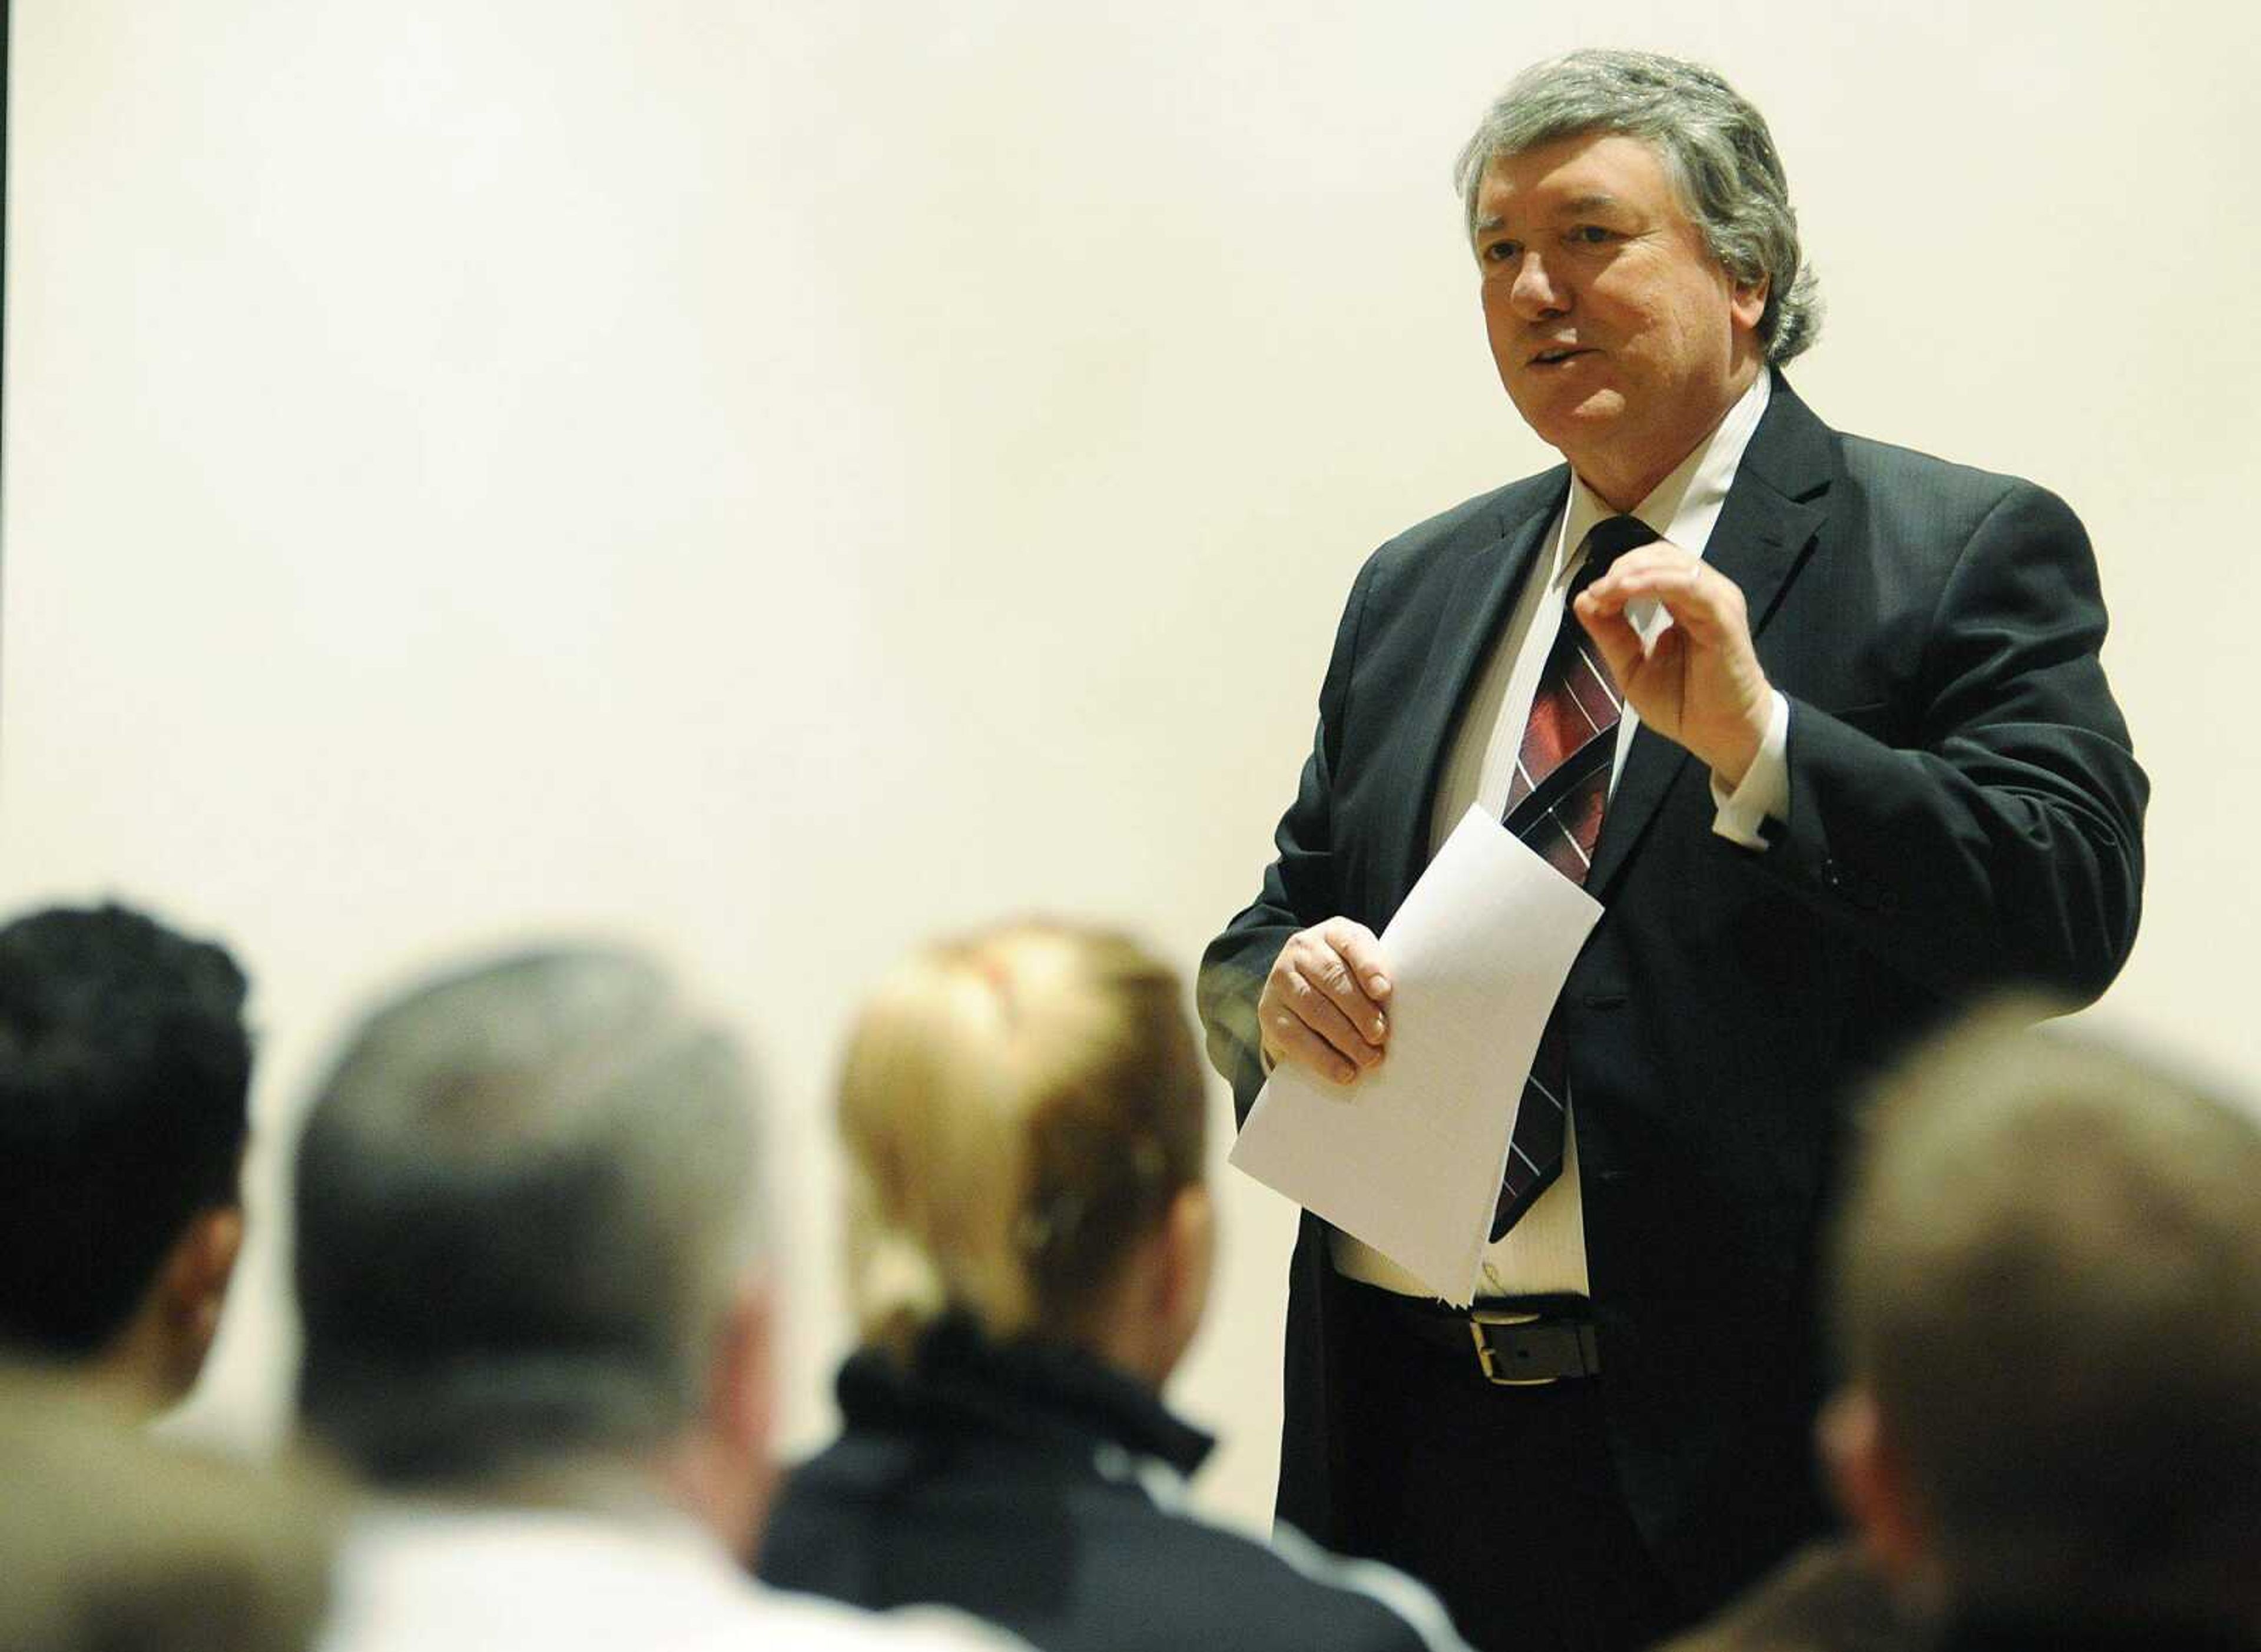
pixel 1576 423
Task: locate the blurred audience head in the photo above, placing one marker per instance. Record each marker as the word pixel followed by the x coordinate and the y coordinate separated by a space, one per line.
pixel 125 1074
pixel 529 1240
pixel 2049 1307
pixel 112 1542
pixel 1024 1117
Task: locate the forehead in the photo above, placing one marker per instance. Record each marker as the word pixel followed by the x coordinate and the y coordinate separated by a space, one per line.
pixel 1578 173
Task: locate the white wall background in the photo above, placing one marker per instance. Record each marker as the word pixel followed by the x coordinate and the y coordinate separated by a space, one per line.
pixel 777 479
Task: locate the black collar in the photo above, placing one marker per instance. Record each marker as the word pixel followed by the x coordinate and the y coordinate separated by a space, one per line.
pixel 1042 1394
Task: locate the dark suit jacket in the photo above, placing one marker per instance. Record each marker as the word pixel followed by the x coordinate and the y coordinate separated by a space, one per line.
pixel 1964 813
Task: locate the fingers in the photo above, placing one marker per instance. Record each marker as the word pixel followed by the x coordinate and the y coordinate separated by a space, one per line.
pixel 1702 600
pixel 1321 1006
pixel 1356 945
pixel 1697 678
pixel 1292 1044
pixel 1614 635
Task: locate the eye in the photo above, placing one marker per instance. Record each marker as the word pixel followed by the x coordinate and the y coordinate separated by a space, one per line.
pixel 1499 252
pixel 1592 235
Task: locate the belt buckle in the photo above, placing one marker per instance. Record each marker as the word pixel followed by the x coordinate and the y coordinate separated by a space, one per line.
pixel 1478 1318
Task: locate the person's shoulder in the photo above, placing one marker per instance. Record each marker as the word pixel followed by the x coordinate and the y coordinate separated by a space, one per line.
pixel 818 1625
pixel 1411 570
pixel 1408 1612
pixel 1865 458
pixel 1797 451
pixel 1478 521
pixel 1250 1590
pixel 1927 513
pixel 1938 498
pixel 1825 1595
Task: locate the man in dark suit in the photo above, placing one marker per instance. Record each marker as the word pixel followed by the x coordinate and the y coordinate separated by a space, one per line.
pixel 1829 741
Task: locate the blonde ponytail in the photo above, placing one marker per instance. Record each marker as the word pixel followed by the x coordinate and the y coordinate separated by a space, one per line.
pixel 1018 1107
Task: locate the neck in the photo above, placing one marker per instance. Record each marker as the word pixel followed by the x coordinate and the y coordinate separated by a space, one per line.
pixel 619 1487
pixel 1622 481
pixel 1140 1350
pixel 1138 1325
pixel 138 1373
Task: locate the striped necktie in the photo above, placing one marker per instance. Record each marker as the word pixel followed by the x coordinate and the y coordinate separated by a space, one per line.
pixel 1554 805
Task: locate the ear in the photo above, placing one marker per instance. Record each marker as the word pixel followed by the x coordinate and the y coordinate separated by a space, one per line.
pixel 193 1288
pixel 1746 301
pixel 1869 1478
pixel 1187 1255
pixel 742 1389
pixel 719 1469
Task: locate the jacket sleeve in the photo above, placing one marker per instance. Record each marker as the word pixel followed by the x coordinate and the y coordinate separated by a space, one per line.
pixel 1998 839
pixel 1300 887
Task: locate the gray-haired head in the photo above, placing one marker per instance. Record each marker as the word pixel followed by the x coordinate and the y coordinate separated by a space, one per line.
pixel 1714 145
pixel 2048 1285
pixel 526 1197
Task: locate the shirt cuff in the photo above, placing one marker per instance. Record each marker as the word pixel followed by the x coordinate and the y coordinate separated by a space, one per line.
pixel 1765 793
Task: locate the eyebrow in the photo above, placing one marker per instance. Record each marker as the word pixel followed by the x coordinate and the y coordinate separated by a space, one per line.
pixel 1594 202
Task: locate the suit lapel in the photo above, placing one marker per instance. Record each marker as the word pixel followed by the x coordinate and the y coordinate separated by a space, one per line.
pixel 1768 521
pixel 1477 606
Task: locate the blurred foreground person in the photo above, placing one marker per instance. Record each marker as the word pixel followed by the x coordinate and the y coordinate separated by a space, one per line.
pixel 1030 1241
pixel 1828 1596
pixel 528 1249
pixel 125 1073
pixel 2048 1299
pixel 111 1542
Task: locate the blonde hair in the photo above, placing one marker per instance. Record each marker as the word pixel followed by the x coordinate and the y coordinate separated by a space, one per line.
pixel 1019 1106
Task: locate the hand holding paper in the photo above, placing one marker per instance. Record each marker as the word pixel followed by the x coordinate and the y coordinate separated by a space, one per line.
pixel 1324 1004
pixel 1409 1158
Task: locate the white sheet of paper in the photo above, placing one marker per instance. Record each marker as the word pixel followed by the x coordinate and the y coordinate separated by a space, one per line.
pixel 1649 618
pixel 1409 1158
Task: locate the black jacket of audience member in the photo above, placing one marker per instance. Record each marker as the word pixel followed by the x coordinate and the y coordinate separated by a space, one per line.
pixel 1028 1484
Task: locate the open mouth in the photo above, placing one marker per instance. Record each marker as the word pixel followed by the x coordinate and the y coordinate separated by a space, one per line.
pixel 1556 357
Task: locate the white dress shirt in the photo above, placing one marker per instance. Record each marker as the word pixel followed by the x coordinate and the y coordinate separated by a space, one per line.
pixel 501 1580
pixel 1546 1251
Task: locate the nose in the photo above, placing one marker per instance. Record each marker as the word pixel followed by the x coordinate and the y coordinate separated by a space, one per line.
pixel 1535 294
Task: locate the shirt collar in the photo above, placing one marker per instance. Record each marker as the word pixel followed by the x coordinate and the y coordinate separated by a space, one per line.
pixel 960 1380
pixel 1688 500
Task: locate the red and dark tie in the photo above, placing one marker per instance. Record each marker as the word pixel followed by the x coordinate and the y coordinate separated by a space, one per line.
pixel 1554 805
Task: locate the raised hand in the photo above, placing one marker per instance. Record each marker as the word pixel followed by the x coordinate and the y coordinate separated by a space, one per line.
pixel 1699 682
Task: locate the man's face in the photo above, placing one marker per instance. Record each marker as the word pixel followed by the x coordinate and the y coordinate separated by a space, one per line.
pixel 1619 336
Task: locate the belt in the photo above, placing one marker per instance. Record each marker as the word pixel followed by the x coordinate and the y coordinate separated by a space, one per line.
pixel 1518 1341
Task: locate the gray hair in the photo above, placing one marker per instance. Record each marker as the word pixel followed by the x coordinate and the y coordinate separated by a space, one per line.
pixel 1714 145
pixel 2049 1279
pixel 526 1196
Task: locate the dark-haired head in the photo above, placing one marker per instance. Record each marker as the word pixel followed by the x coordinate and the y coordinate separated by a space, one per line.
pixel 125 1075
